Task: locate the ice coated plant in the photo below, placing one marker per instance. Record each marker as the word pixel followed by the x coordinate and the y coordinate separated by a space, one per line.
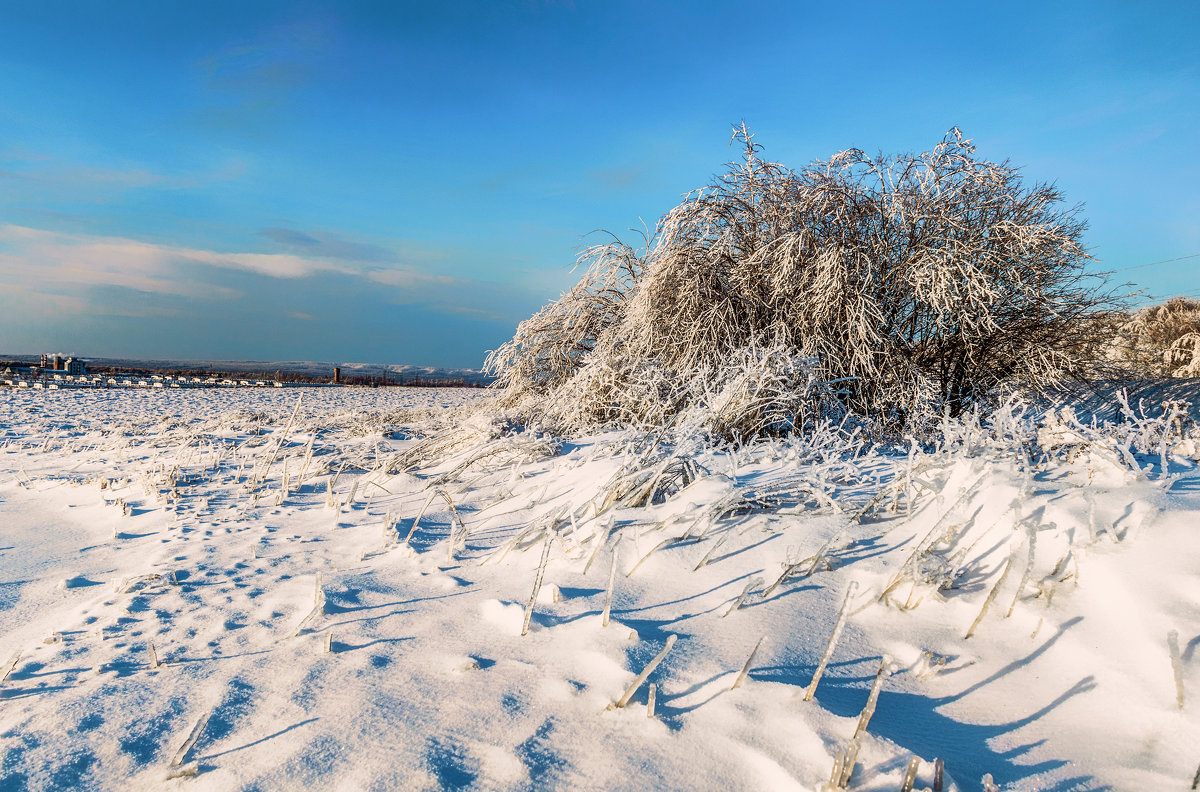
pixel 889 287
pixel 646 672
pixel 843 767
pixel 10 665
pixel 838 626
pixel 741 677
pixel 1176 665
pixel 177 768
pixel 868 710
pixel 910 774
pixel 1158 340
pixel 537 585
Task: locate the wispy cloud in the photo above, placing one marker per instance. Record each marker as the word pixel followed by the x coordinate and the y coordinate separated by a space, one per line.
pixel 44 177
pixel 327 245
pixel 39 262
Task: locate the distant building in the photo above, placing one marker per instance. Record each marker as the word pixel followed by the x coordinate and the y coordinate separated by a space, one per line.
pixel 69 365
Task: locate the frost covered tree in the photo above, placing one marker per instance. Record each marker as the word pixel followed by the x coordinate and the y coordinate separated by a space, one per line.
pixel 889 287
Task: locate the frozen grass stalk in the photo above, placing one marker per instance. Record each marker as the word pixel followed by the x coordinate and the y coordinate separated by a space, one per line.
pixel 656 547
pixel 537 585
pixel 1176 665
pixel 10 665
pixel 177 768
pixel 647 671
pixel 282 440
pixel 987 602
pixel 462 538
pixel 910 774
pixel 420 514
pixel 601 539
pixel 838 626
pixel 741 677
pixel 712 549
pixel 741 598
pixel 1033 531
pixel 612 578
pixel 843 767
pixel 868 710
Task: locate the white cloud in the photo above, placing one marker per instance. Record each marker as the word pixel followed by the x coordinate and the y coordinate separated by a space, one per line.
pixel 35 257
pixel 67 266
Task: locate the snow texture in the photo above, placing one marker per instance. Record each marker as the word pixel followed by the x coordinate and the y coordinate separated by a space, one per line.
pixel 200 591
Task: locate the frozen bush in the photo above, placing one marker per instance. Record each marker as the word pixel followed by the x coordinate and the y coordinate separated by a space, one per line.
pixel 892 288
pixel 1159 340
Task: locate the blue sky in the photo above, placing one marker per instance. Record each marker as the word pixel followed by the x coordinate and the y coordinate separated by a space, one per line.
pixel 403 182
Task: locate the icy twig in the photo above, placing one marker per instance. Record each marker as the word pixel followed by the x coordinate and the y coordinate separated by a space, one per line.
pixel 649 669
pixel 838 626
pixel 910 774
pixel 843 767
pixel 420 514
pixel 1176 665
pixel 612 577
pixel 282 439
pixel 650 696
pixel 601 539
pixel 741 677
pixel 462 537
pixel 1033 532
pixel 177 769
pixel 656 547
pixel 537 584
pixel 712 549
pixel 868 710
pixel 987 602
pixel 812 562
pixel 10 665
pixel 741 598
pixel 318 606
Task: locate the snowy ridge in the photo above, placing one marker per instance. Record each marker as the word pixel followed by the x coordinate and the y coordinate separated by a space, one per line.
pixel 239 591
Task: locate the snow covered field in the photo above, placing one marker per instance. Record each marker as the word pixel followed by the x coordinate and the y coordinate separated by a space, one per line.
pixel 200 585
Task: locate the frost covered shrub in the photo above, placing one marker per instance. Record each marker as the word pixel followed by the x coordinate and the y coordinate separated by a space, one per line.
pixel 1160 340
pixel 891 288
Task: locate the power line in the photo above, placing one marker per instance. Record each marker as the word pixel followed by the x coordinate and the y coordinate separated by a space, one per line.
pixel 1153 263
pixel 1156 297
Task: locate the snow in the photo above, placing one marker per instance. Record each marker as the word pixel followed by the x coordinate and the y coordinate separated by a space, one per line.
pixel 306 644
